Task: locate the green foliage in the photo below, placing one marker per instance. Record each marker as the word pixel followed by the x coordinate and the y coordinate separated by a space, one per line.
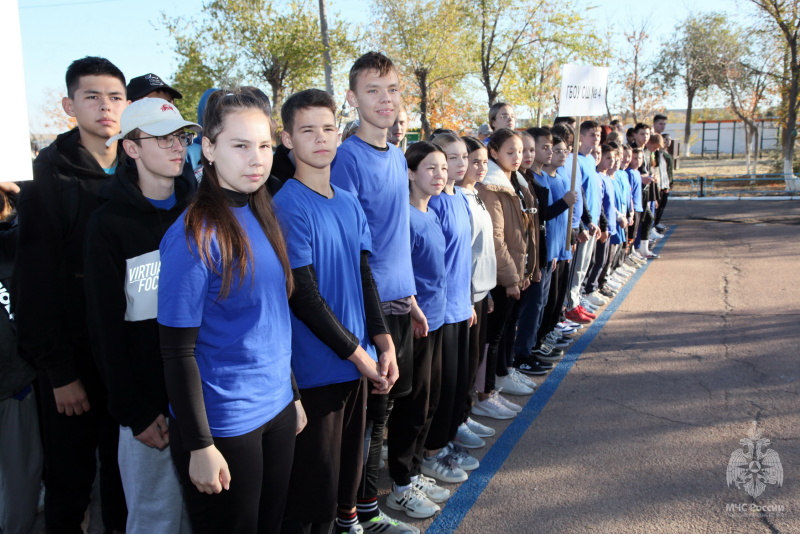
pixel 258 41
pixel 534 76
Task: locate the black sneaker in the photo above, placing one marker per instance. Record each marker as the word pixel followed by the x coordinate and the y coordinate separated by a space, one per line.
pixel 660 228
pixel 544 365
pixel 530 366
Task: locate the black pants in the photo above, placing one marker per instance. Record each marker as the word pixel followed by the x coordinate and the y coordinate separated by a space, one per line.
pixel 477 348
pixel 380 406
pixel 662 204
pixel 455 375
pixel 260 463
pixel 633 230
pixel 328 455
pixel 599 263
pixel 412 415
pixel 646 224
pixel 72 445
pixel 555 300
pixel 497 325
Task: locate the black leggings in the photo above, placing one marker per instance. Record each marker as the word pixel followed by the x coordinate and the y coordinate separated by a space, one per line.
pixel 477 346
pixel 497 324
pixel 260 463
pixel 662 204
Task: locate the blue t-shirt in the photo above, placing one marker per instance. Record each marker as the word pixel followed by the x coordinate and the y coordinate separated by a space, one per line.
pixel 609 202
pixel 328 233
pixel 380 181
pixel 453 212
pixel 635 179
pixel 427 256
pixel 165 204
pixel 591 186
pixel 565 172
pixel 624 189
pixel 556 228
pixel 244 345
pixel 620 203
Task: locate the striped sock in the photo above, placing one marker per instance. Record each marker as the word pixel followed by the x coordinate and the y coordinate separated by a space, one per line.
pixel 345 520
pixel 367 509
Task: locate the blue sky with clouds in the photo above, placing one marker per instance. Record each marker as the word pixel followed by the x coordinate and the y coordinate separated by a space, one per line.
pixel 55 32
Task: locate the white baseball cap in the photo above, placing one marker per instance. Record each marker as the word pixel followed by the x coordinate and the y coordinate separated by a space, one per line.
pixel 153 116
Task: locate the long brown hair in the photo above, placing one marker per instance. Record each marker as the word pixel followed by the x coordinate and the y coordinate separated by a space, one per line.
pixel 209 217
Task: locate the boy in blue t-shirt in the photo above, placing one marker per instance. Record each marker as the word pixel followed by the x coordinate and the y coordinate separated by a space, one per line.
pixel 337 321
pixel 376 172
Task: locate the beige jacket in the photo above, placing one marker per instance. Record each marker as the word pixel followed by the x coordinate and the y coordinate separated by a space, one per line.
pixel 514 238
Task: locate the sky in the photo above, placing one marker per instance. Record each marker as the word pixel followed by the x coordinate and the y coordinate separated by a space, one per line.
pixel 130 34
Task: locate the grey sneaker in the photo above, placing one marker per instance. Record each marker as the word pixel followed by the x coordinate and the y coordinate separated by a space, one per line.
pixel 467 438
pixel 384 524
pixel 465 460
pixel 443 467
pixel 480 430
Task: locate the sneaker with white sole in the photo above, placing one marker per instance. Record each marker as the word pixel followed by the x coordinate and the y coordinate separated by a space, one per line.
pixel 511 386
pixel 355 529
pixel 467 438
pixel 443 467
pixel 596 299
pixel 653 235
pixel 521 378
pixel 465 460
pixel 384 524
pixel 514 407
pixel 491 407
pixel 431 489
pixel 413 502
pixel 482 431
pixel 588 305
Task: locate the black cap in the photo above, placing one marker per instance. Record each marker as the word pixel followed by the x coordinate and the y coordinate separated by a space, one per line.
pixel 141 86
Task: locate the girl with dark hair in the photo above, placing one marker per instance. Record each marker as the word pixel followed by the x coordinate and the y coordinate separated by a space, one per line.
pixel 413 492
pixel 445 460
pixel 226 330
pixel 509 202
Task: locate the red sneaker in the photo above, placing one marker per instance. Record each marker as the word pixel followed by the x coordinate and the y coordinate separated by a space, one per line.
pixel 586 313
pixel 575 316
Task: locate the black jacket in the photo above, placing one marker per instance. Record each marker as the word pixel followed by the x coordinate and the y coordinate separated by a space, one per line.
pixel 122 264
pixel 53 211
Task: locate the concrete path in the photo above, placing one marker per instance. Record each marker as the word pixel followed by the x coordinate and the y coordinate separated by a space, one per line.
pixel 637 436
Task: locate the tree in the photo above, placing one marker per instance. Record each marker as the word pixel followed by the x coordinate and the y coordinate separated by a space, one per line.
pixel 262 41
pixel 783 17
pixel 507 30
pixel 430 50
pixel 642 88
pixel 535 78
pixel 747 83
pixel 696 57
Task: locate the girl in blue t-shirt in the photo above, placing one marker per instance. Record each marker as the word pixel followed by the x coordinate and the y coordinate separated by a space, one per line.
pixel 226 330
pixel 452 208
pixel 412 414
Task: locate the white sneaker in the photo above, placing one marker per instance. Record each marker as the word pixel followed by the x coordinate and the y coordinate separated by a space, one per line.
pixel 491 407
pixel 610 282
pixel 654 235
pixel 522 379
pixel 596 299
pixel 480 430
pixel 433 491
pixel 588 305
pixel 413 502
pixel 511 386
pixel 386 525
pixel 508 404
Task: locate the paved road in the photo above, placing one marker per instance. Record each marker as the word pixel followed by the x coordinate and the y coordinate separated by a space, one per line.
pixel 638 435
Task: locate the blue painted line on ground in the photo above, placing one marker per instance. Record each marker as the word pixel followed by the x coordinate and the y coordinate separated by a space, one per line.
pixel 467 494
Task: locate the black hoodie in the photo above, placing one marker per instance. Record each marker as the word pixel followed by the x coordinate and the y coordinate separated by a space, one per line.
pixel 122 265
pixel 53 211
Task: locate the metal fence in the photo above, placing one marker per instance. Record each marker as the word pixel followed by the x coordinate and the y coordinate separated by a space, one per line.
pixel 758 185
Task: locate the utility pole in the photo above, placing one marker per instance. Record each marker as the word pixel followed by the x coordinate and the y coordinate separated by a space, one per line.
pixel 323 22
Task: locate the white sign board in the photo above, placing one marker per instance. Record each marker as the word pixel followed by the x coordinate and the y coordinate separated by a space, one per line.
pixel 15 145
pixel 583 91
